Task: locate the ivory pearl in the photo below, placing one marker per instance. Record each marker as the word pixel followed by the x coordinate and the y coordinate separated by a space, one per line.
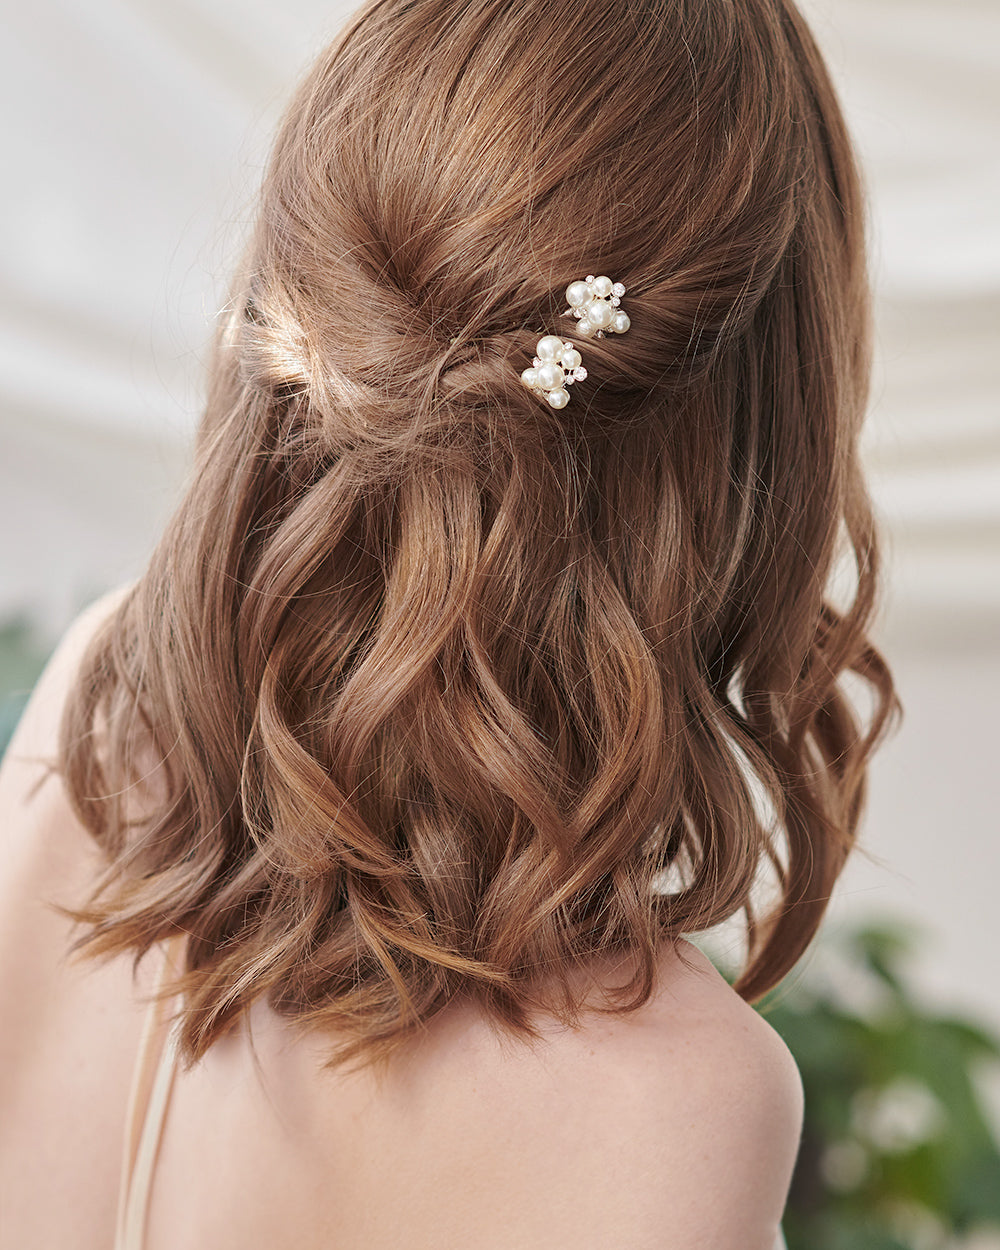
pixel 621 322
pixel 530 377
pixel 577 294
pixel 550 376
pixel 599 314
pixel 602 286
pixel 549 348
pixel 584 327
pixel 570 359
pixel 559 398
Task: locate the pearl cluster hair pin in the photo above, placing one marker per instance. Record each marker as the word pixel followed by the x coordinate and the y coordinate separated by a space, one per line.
pixel 556 366
pixel 593 303
pixel 557 363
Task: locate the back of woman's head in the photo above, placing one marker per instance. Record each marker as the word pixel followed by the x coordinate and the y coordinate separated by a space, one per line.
pixel 450 690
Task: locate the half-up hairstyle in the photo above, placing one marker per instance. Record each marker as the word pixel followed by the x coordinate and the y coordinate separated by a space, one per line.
pixel 431 690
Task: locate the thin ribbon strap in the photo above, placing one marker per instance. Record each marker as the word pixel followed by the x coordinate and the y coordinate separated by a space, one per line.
pixel 146 1112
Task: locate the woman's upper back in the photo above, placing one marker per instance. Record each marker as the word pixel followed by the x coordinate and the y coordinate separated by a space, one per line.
pixel 676 1127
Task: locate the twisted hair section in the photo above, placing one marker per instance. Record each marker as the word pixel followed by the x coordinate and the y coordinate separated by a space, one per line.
pixel 429 690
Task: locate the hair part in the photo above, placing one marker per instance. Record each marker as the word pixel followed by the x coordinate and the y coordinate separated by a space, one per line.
pixel 429 689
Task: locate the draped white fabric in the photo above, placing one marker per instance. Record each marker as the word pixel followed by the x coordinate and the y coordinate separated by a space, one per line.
pixel 134 132
pixel 921 85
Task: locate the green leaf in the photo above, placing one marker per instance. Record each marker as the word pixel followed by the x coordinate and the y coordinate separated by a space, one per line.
pixel 851 1066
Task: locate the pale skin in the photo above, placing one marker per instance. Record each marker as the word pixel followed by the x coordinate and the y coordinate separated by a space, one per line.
pixel 672 1129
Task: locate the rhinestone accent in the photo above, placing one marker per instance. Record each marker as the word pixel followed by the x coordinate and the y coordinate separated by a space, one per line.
pixel 616 300
pixel 579 373
pixel 618 289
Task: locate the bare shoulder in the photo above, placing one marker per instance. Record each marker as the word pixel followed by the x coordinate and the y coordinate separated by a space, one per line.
pixel 70 1028
pixel 697 1033
pixel 43 845
pixel 675 1126
pixel 744 1091
pixel 710 1105
pixel 728 1030
pixel 29 790
pixel 35 737
pixel 723 1117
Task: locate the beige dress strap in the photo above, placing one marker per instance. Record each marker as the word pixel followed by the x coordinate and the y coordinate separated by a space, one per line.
pixel 152 1080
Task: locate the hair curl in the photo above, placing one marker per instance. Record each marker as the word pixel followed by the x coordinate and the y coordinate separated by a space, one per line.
pixel 442 689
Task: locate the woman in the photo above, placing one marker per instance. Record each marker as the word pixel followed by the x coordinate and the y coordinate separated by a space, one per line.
pixel 461 687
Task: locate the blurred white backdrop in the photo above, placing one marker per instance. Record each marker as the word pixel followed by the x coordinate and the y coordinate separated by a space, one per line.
pixel 134 133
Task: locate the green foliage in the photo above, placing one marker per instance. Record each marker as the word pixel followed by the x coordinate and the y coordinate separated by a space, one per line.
pixel 22 659
pixel 897 1151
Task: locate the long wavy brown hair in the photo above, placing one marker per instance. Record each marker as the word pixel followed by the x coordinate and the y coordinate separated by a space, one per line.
pixel 431 689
